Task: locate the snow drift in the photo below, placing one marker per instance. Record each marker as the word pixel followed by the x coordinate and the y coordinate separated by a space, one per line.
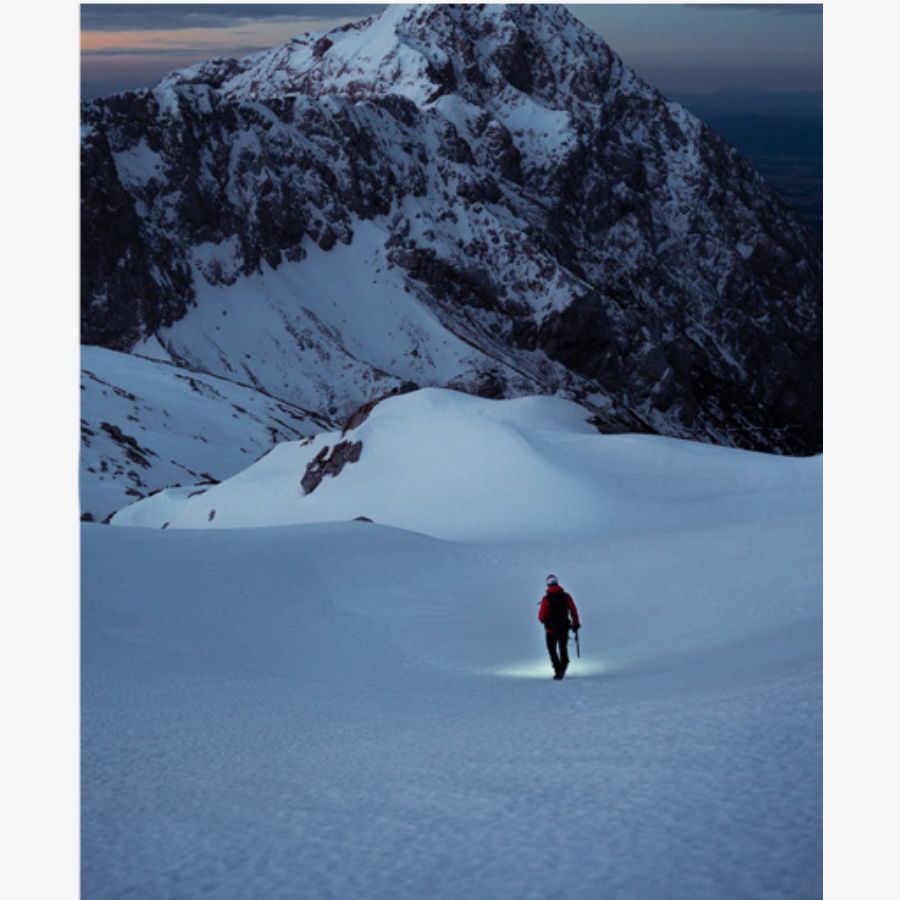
pixel 456 466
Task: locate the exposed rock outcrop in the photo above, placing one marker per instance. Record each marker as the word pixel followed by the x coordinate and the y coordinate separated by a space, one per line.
pixel 330 461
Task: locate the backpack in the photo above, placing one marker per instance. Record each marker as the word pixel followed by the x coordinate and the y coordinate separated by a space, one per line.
pixel 559 610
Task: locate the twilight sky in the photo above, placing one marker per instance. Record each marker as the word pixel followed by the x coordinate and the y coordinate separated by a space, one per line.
pixel 679 48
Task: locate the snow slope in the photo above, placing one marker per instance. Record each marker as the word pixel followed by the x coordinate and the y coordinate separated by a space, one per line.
pixel 348 709
pixel 461 467
pixel 345 319
pixel 351 710
pixel 146 424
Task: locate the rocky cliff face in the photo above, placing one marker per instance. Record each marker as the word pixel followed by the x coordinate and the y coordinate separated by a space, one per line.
pixel 551 222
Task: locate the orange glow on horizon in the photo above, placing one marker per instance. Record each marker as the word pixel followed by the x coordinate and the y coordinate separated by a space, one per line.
pixel 262 35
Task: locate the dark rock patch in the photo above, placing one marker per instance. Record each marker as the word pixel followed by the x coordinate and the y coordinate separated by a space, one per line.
pixel 133 450
pixel 361 413
pixel 329 461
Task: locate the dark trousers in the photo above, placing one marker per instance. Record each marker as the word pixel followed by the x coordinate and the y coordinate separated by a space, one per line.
pixel 558 648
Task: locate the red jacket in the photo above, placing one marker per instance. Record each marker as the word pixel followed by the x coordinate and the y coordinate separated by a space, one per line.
pixel 545 612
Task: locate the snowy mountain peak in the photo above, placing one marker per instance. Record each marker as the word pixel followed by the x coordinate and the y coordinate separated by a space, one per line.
pixel 480 53
pixel 476 197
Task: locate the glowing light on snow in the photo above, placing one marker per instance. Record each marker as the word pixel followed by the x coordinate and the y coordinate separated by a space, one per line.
pixel 533 668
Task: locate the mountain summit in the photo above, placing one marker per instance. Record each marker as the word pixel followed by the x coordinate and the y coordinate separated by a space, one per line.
pixel 479 197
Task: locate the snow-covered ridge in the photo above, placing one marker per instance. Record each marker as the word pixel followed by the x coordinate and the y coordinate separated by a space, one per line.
pixel 528 69
pixel 423 52
pixel 147 425
pixel 456 466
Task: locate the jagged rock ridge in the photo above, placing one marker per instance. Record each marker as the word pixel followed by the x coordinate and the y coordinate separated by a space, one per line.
pixel 542 212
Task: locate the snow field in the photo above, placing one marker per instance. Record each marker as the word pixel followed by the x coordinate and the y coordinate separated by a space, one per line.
pixel 347 709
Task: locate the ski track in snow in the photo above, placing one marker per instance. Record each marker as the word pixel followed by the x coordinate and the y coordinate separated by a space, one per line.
pixel 350 710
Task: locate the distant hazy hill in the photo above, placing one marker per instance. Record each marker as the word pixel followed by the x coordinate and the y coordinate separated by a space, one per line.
pixel 746 102
pixel 780 132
